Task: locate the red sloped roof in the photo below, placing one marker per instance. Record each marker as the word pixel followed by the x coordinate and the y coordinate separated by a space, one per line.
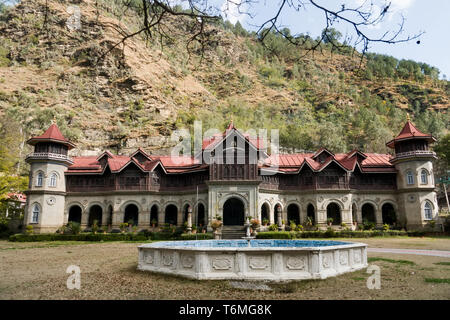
pixel 210 142
pixel 409 131
pixel 51 134
pixel 288 162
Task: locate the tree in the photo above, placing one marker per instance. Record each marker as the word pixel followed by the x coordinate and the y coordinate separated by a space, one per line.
pixel 331 35
pixel 157 15
pixel 442 149
pixel 10 179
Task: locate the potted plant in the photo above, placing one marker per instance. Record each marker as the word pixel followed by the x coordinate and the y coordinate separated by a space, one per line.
pixel 29 229
pixel 154 222
pixel 330 221
pixel 105 229
pixel 123 226
pixel 194 229
pixel 265 222
pixel 94 226
pixel 216 224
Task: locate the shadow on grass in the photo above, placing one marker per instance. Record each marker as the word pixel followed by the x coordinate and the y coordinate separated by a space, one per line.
pixel 437 280
pixel 403 262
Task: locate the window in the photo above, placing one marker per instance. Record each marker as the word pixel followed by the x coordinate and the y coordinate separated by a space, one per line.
pixel 424 177
pixel 53 178
pixel 35 216
pixel 409 178
pixel 428 211
pixel 40 179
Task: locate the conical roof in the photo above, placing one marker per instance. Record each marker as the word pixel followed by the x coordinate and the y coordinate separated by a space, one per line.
pixel 408 132
pixel 52 134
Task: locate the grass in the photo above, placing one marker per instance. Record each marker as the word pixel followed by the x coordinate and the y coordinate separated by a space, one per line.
pixel 443 263
pixel 437 280
pixel 404 262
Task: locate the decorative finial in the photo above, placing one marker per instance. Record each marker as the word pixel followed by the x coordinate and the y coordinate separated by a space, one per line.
pixel 408 117
pixel 54 119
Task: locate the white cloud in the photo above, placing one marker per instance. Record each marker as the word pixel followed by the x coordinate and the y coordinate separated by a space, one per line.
pixel 232 12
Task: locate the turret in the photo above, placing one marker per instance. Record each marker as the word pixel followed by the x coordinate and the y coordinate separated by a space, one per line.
pixel 47 186
pixel 415 178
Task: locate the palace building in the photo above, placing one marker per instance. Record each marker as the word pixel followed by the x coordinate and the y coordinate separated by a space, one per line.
pixel 233 177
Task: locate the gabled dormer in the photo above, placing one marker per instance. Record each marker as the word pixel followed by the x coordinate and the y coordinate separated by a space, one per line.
pixel 103 158
pixel 360 157
pixel 141 156
pixel 322 155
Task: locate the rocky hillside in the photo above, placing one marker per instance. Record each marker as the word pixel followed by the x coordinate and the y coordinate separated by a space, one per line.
pixel 139 92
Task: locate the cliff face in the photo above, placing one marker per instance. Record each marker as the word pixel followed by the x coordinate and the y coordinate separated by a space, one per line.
pixel 139 92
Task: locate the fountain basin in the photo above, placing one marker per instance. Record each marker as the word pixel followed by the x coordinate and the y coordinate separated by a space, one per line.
pixel 269 260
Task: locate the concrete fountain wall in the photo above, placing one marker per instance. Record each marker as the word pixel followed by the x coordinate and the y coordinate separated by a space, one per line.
pixel 273 260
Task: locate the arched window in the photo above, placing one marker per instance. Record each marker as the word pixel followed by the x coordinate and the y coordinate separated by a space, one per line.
pixel 53 178
pixel 409 178
pixel 428 210
pixel 35 214
pixel 424 177
pixel 40 179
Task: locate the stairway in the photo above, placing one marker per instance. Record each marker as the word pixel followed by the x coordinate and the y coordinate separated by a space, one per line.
pixel 233 232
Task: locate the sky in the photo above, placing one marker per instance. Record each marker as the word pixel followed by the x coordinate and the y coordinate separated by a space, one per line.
pixel 432 17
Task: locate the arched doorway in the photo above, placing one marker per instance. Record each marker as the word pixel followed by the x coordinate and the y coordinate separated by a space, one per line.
pixel 233 212
pixel 95 213
pixel 201 215
pixel 154 215
pixel 131 214
pixel 334 212
pixel 171 213
pixel 293 214
pixel 310 213
pixel 368 213
pixel 265 216
pixel 388 214
pixel 75 214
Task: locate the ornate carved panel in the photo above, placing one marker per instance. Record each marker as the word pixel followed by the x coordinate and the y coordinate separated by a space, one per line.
pixel 343 258
pixel 296 263
pixel 149 258
pixel 187 260
pixel 327 260
pixel 167 258
pixel 259 262
pixel 222 263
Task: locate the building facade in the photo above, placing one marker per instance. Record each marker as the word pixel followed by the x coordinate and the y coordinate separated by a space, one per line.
pixel 232 177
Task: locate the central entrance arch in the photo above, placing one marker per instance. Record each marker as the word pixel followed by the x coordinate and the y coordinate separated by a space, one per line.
pixel 233 212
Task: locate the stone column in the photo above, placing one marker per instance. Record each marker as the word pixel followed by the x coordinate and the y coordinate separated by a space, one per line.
pixel 144 219
pixel 117 218
pixel 180 217
pixel 279 219
pixel 84 219
pixel 160 217
pixel 189 220
pixel 359 216
pixel 271 215
pixel 105 217
pixel 378 217
pixel 347 217
pixel 321 218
